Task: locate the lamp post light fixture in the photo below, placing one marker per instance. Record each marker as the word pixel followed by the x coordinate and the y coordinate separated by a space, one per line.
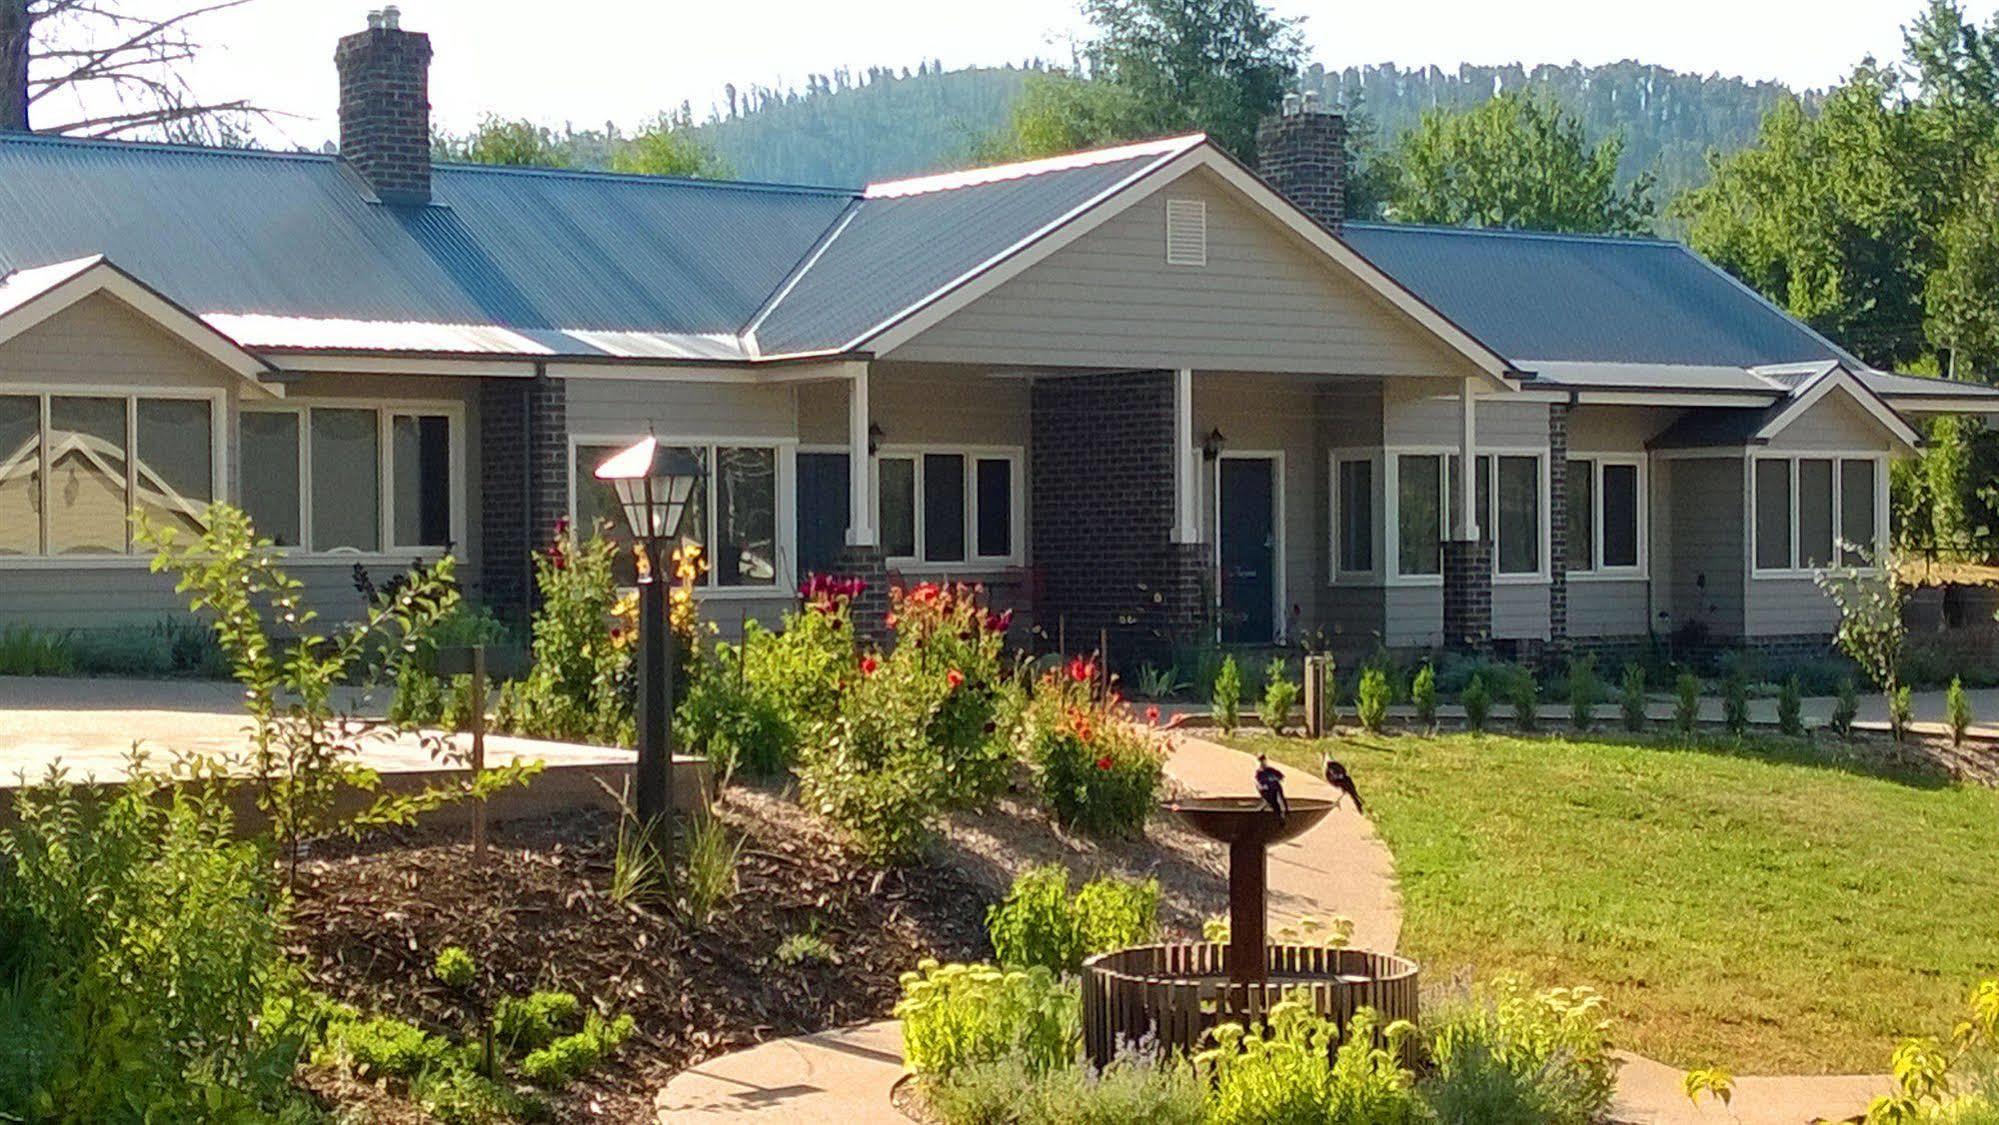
pixel 655 485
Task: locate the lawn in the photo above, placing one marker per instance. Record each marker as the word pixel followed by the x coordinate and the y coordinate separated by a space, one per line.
pixel 1763 910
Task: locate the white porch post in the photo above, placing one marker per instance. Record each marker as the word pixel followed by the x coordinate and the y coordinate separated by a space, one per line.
pixel 860 466
pixel 1464 507
pixel 1186 474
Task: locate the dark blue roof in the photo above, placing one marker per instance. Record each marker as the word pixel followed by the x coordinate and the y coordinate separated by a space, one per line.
pixel 1533 296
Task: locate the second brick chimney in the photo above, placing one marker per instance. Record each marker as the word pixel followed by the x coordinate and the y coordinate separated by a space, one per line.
pixel 385 107
pixel 1302 152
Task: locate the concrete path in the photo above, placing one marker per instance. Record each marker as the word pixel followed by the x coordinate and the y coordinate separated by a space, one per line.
pixel 1652 1093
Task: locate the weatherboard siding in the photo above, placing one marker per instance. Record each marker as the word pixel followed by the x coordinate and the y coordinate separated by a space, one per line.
pixel 624 408
pixel 100 341
pixel 1834 424
pixel 1265 299
pixel 1789 607
pixel 1267 413
pixel 1709 539
pixel 1432 415
pixel 1601 607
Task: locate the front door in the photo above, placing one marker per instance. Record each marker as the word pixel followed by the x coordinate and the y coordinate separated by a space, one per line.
pixel 1246 496
pixel 822 512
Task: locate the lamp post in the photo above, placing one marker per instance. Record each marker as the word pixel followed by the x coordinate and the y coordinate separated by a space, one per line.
pixel 654 485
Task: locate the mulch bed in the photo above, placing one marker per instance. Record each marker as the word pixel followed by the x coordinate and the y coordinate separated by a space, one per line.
pixel 371 917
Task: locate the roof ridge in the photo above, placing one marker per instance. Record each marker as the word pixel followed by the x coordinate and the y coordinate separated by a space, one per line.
pixel 1021 169
pixel 56 140
pixel 1522 233
pixel 642 178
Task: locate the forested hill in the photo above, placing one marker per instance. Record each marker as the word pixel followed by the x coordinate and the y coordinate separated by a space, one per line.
pixel 846 129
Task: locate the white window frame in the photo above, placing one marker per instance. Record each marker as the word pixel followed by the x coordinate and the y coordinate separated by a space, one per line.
pixel 1597 571
pixel 386 412
pixel 784 510
pixel 1873 543
pixel 1015 455
pixel 1391 495
pixel 132 556
pixel 1335 573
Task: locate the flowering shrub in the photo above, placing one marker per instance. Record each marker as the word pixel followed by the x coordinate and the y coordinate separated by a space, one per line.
pixel 958 1015
pixel 1097 769
pixel 1040 924
pixel 1513 1055
pixel 949 637
pixel 578 687
pixel 1295 1067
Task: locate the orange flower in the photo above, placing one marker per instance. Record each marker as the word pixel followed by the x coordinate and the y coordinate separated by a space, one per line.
pixel 1080 670
pixel 954 677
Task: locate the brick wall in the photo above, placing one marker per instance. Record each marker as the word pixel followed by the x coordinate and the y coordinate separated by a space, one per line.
pixel 1304 156
pixel 1467 595
pixel 524 480
pixel 869 610
pixel 1558 529
pixel 385 109
pixel 1101 475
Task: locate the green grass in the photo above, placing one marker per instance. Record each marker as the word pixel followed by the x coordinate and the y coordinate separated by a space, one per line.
pixel 1767 910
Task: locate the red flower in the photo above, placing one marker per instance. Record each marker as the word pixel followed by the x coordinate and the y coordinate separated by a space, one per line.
pixel 1080 670
pixel 616 632
pixel 1152 714
pixel 868 665
pixel 1104 762
pixel 562 527
pixel 954 677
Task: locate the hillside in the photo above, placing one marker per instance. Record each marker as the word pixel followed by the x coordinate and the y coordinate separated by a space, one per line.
pixel 845 129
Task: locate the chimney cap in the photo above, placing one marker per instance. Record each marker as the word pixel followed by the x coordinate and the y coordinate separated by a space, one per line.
pixel 1291 104
pixel 392 17
pixel 375 19
pixel 1311 101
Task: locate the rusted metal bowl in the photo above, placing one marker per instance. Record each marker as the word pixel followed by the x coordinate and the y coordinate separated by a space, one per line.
pixel 1233 820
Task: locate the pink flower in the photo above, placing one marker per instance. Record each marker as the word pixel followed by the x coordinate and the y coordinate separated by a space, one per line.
pixel 1152 714
pixel 955 678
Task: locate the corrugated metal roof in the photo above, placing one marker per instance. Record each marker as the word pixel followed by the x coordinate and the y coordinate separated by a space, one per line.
pixel 1534 296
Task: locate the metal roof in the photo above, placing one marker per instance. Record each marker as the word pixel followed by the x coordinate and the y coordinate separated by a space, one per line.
pixel 1552 297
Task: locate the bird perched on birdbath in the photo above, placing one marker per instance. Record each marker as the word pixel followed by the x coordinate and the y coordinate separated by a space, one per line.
pixel 1270 786
pixel 1338 777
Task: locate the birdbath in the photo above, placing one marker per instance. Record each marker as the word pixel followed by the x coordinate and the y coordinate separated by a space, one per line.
pixel 1248 826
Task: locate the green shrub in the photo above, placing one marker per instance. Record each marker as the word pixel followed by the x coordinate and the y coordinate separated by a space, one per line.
pixel 1791 708
pixel 569 1057
pixel 456 1096
pixel 1957 711
pixel 1514 1057
pixel 141 965
pixel 534 1020
pixel 1295 1068
pixel 1040 924
pixel 1526 700
pixel 1097 770
pixel 709 877
pixel 955 1016
pixel 1371 700
pixel 1131 1089
pixel 1845 709
pixel 1154 682
pixel 1686 704
pixel 1631 701
pixel 454 968
pixel 36 652
pixel 1735 705
pixel 1584 692
pixel 1477 703
pixel 798 949
pixel 1901 712
pixel 1423 693
pixel 379 1046
pixel 579 686
pixel 1279 693
pixel 1227 698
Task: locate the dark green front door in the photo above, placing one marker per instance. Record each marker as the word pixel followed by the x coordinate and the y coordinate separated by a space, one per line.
pixel 1247 497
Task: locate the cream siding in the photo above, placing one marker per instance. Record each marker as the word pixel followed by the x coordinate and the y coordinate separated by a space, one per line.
pixel 1835 424
pixel 1263 413
pixel 1709 539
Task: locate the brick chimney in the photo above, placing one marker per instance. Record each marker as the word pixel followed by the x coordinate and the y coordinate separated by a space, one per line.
pixel 385 107
pixel 1302 152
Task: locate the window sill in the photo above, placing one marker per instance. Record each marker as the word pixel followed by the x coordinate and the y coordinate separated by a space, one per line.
pixel 1809 574
pixel 1634 574
pixel 285 558
pixel 968 566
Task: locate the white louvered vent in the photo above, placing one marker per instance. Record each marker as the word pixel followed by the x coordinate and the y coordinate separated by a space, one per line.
pixel 1186 232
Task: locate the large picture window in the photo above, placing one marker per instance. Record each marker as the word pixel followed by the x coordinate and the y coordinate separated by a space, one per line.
pixel 75 469
pixel 1806 507
pixel 948 507
pixel 1509 514
pixel 1605 508
pixel 732 516
pixel 344 479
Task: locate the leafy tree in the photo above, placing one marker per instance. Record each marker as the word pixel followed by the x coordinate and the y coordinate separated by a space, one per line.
pixel 667 146
pixel 498 140
pixel 1515 161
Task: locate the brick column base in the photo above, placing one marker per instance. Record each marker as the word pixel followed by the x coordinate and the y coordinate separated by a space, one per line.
pixel 870 609
pixel 1558 530
pixel 1467 595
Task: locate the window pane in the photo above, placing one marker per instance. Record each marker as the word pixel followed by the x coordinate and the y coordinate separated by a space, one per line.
pixel 694 517
pixel 1482 496
pixel 597 508
pixel 943 507
pixel 1357 515
pixel 20 475
pixel 1582 515
pixel 1419 516
pixel 1814 513
pixel 995 507
pixel 1620 515
pixel 175 467
pixel 423 481
pixel 269 444
pixel 1519 515
pixel 87 507
pixel 746 517
pixel 346 481
pixel 1773 515
pixel 898 506
pixel 1856 509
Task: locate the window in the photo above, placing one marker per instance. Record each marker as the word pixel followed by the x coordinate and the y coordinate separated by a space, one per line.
pixel 947 507
pixel 1356 515
pixel 1806 507
pixel 1519 518
pixel 75 469
pixel 1603 516
pixel 1419 514
pixel 349 479
pixel 1509 511
pixel 732 515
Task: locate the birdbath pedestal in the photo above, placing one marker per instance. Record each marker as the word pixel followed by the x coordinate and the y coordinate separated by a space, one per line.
pixel 1249 827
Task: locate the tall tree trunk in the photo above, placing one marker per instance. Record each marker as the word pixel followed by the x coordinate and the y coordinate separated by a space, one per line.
pixel 15 24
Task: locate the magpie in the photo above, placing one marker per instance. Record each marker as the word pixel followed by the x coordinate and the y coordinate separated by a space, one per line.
pixel 1270 786
pixel 1338 777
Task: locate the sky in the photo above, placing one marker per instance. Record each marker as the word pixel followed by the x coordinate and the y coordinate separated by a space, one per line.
pixel 587 62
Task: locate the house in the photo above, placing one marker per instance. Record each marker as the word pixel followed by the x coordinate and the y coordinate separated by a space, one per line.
pixel 1123 388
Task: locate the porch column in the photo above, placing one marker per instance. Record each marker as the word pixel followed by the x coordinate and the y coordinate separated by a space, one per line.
pixel 1186 469
pixel 1467 554
pixel 863 558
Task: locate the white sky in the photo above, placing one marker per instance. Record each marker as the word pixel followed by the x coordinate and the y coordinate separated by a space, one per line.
pixel 589 61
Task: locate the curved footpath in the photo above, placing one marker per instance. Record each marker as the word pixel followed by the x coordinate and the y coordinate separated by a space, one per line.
pixel 1340 868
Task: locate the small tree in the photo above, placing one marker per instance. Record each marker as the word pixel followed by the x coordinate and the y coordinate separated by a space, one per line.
pixel 1631 703
pixel 1686 704
pixel 1735 704
pixel 1901 712
pixel 1583 692
pixel 1372 700
pixel 1477 702
pixel 1227 699
pixel 1957 711
pixel 1845 709
pixel 1871 631
pixel 1279 693
pixel 1526 699
pixel 1423 693
pixel 1790 708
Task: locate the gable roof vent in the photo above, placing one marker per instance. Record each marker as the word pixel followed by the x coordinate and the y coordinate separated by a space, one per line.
pixel 1186 232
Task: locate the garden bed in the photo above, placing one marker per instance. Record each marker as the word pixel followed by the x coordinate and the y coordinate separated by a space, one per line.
pixel 370 918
